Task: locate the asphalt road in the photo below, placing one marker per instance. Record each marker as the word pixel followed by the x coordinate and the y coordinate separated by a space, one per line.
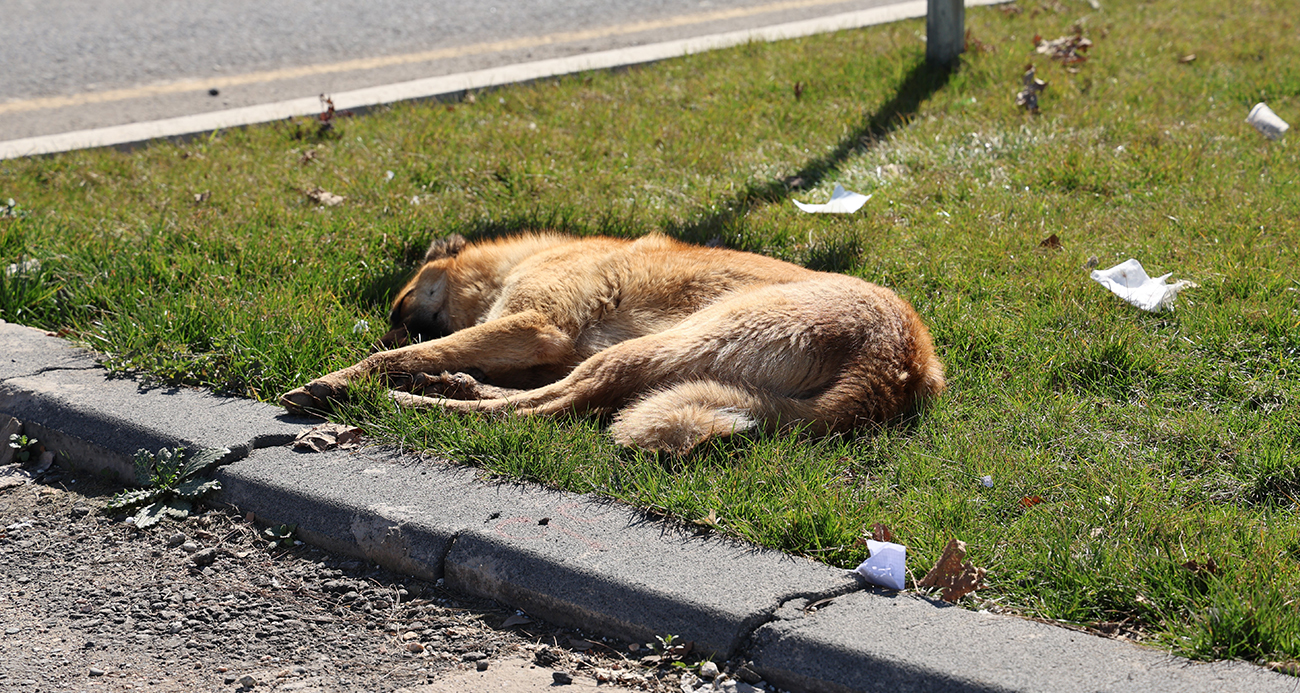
pixel 77 64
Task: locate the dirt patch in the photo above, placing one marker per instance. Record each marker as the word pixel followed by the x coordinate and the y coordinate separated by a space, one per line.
pixel 89 603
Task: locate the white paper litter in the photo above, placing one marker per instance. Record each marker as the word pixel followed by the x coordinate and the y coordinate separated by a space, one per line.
pixel 987 481
pixel 887 566
pixel 842 202
pixel 1130 282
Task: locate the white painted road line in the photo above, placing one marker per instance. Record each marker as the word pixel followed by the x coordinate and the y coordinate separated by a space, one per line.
pixel 454 84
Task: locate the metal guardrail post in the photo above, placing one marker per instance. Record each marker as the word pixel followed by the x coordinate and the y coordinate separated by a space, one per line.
pixel 945 31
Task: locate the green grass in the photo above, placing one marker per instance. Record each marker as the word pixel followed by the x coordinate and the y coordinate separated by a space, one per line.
pixel 1153 440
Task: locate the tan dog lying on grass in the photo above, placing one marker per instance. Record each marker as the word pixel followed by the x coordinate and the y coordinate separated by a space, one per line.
pixel 680 343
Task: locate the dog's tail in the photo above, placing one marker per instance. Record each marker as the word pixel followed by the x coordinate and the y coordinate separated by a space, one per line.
pixel 686 414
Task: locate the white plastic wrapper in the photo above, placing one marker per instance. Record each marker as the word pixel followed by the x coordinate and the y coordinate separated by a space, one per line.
pixel 842 202
pixel 1130 282
pixel 887 566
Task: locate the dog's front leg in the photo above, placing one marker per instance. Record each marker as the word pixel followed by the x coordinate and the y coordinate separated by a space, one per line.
pixel 519 340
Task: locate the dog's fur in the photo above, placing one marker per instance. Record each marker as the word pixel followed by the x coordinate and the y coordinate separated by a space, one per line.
pixel 680 343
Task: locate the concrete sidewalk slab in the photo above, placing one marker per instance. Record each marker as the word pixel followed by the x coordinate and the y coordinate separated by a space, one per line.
pixel 28 352
pixel 69 403
pixel 579 560
pixel 571 559
pixel 869 642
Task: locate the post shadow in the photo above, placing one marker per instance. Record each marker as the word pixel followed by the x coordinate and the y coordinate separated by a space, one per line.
pixel 923 80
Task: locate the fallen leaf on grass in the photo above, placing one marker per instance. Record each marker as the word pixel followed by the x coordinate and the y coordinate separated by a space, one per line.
pixel 1208 567
pixel 1028 97
pixel 324 197
pixel 955 577
pixel 1190 57
pixel 1052 242
pixel 326 437
pixel 1067 49
pixel 880 532
pixel 1030 501
pixel 202 197
pixel 709 521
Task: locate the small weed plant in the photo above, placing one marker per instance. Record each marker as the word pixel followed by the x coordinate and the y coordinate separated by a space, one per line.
pixel 26 448
pixel 174 481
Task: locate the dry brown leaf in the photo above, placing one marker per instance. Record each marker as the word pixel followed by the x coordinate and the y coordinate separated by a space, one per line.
pixel 1190 57
pixel 1030 501
pixel 516 620
pixel 326 437
pixel 1067 49
pixel 324 197
pixel 955 577
pixel 879 532
pixel 1052 242
pixel 1208 567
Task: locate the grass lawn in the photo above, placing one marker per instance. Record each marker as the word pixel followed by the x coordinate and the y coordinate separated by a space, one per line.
pixel 1157 443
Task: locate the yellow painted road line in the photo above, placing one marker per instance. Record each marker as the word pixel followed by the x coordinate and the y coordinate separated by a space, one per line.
pixel 191 85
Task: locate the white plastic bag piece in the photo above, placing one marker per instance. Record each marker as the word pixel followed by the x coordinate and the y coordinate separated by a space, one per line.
pixel 842 202
pixel 1130 282
pixel 887 566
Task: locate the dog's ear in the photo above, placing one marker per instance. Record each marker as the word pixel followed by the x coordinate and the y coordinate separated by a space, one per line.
pixel 446 247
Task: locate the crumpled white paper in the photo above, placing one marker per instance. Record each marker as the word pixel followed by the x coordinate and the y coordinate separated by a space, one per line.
pixel 887 566
pixel 1130 282
pixel 842 202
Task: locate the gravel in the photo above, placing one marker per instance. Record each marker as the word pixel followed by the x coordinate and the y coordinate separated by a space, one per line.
pixel 89 603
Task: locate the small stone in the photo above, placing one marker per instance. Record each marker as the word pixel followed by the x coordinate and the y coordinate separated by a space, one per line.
pixel 415 647
pixel 708 671
pixel 177 539
pixel 204 557
pixel 472 656
pixel 748 675
pixel 13 631
pixel 481 665
pixel 561 678
pixel 229 679
pixel 187 546
pixel 410 635
pixel 95 672
pixel 247 681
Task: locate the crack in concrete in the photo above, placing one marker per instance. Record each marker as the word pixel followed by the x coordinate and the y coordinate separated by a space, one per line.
pixel 49 369
pixel 746 642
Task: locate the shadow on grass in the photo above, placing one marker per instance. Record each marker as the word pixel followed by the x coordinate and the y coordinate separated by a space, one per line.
pixel 920 83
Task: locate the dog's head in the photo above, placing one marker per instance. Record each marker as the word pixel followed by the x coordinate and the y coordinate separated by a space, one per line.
pixel 420 309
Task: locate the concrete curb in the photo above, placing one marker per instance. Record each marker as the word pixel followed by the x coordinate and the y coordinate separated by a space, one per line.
pixel 454 85
pixel 579 560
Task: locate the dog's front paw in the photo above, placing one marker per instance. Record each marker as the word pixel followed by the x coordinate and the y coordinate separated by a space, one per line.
pixel 312 398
